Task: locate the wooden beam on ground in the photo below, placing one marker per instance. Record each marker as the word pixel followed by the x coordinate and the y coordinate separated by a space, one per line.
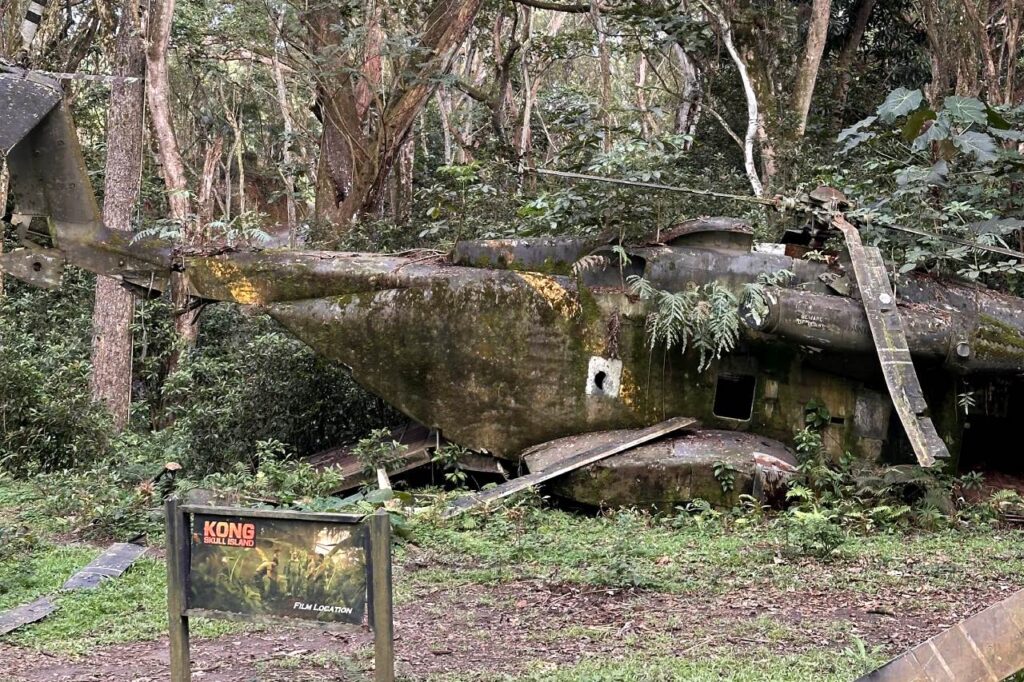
pixel 111 564
pixel 12 619
pixel 114 561
pixel 987 647
pixel 886 325
pixel 595 454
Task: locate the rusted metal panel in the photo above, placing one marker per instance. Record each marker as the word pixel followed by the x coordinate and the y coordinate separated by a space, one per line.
pixel 616 442
pixel 25 98
pixel 987 647
pixel 730 234
pixel 40 268
pixel 891 345
pixel 13 619
pixel 114 561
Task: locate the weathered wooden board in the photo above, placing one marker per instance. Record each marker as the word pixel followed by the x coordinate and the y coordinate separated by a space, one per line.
pixel 13 619
pixel 891 345
pixel 564 465
pixel 987 647
pixel 112 563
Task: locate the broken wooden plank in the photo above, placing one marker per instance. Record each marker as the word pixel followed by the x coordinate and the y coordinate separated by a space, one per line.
pixel 886 326
pixel 12 619
pixel 564 466
pixel 111 564
pixel 984 648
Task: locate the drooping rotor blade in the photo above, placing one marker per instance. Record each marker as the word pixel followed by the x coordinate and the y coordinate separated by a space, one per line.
pixel 890 339
pixel 984 648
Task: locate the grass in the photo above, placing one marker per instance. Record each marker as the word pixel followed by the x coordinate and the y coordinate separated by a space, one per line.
pixel 35 560
pixel 619 551
pixel 634 550
pixel 820 666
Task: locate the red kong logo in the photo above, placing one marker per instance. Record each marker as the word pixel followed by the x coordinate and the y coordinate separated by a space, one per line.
pixel 231 533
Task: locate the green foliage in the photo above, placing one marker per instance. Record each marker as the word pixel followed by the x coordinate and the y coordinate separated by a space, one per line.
pixel 756 296
pixel 725 474
pixel 949 167
pixel 448 456
pixel 378 450
pixel 248 381
pixel 47 419
pixel 704 318
pixel 276 479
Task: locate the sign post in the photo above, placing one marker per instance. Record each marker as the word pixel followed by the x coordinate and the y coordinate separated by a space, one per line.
pixel 324 570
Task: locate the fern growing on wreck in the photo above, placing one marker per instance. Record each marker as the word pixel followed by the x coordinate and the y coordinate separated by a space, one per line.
pixel 705 317
pixel 756 296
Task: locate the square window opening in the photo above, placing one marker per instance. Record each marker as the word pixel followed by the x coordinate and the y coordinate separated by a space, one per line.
pixel 734 396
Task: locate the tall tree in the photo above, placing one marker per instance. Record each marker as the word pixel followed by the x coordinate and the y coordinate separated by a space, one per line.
pixel 113 309
pixel 360 147
pixel 807 74
pixel 172 168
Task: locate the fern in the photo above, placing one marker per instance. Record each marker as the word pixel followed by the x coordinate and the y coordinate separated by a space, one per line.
pixel 704 318
pixel 587 263
pixel 756 296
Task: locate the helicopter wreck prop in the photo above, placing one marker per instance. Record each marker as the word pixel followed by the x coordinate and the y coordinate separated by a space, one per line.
pixel 511 348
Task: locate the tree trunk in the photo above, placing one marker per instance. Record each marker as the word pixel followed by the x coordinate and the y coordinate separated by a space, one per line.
pixel 378 141
pixel 688 108
pixel 605 63
pixel 846 56
pixel 754 121
pixel 5 179
pixel 287 159
pixel 807 75
pixel 111 378
pixel 158 94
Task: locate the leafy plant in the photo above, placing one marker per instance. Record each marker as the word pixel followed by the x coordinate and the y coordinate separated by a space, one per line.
pixel 379 450
pixel 704 318
pixel 725 474
pixel 448 456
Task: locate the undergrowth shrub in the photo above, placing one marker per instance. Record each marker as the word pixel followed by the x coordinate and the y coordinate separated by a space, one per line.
pixel 47 418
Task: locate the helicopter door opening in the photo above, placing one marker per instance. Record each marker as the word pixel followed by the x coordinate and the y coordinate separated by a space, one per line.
pixel 734 396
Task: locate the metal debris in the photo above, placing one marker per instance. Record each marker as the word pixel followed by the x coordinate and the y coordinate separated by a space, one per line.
pixel 984 648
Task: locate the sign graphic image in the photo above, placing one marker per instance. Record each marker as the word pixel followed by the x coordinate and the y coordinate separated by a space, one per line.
pixel 278 567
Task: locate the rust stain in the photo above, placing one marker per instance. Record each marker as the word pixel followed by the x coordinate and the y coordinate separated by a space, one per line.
pixel 556 296
pixel 239 286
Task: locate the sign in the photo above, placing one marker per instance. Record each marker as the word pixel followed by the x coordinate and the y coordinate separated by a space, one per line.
pixel 281 567
pixel 328 570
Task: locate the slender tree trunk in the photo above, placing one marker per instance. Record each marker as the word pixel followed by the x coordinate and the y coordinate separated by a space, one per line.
pixel 688 109
pixel 648 126
pixel 807 75
pixel 207 184
pixel 754 121
pixel 172 168
pixel 287 158
pixel 846 56
pixel 402 176
pixel 111 378
pixel 5 179
pixel 605 64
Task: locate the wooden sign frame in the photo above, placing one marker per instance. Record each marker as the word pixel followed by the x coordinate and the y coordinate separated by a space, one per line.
pixel 379 598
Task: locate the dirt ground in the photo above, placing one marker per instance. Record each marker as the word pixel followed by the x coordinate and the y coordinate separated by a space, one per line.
pixel 483 632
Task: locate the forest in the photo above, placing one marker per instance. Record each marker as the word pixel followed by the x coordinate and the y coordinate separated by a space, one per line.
pixel 409 128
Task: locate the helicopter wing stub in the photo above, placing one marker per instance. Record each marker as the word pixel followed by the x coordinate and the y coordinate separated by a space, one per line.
pixel 25 98
pixel 890 341
pixel 606 448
